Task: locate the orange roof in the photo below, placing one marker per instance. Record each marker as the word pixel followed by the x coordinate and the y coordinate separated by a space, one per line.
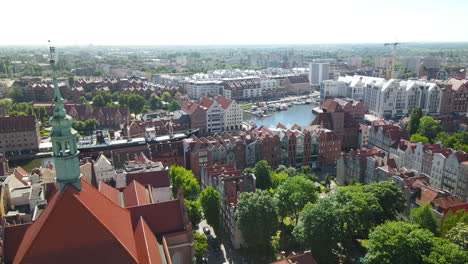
pixel 447 202
pixel 224 102
pixel 161 217
pixel 135 194
pixel 84 220
pixel 206 102
pixel 110 192
pixel 141 159
pixel 147 245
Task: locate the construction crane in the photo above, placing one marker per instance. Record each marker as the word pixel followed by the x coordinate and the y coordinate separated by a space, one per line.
pixel 388 73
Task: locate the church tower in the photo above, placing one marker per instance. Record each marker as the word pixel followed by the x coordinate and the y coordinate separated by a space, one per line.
pixel 63 137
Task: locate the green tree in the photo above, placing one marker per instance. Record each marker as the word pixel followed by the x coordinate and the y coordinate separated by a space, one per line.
pixel 263 175
pixel 459 235
pixel 360 211
pixel 278 178
pixel 115 96
pixel 418 138
pixel 425 218
pixel 174 106
pixel 79 126
pixel 293 194
pixel 90 125
pixel 99 101
pixel 320 229
pixel 82 100
pixel 88 96
pixel 390 198
pixel 428 127
pixel 210 201
pixel 445 252
pixel 136 103
pixel 154 102
pixel 200 246
pixel 123 99
pixel 17 94
pixel 398 242
pixel 16 113
pixel 183 178
pixel 166 96
pixel 194 211
pixel 71 81
pixel 451 219
pixel 413 124
pixel 257 217
pixel 6 104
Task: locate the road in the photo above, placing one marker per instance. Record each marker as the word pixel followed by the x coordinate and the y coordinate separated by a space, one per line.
pixel 226 255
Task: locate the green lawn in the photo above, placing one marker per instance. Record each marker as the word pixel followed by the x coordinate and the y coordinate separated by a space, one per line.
pixel 247 106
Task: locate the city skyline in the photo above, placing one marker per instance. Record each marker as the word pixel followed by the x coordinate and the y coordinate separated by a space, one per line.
pixel 242 23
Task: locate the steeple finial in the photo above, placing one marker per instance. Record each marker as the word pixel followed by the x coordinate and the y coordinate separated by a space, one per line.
pixel 63 136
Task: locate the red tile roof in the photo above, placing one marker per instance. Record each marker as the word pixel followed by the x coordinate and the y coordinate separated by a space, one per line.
pixel 429 194
pixel 57 234
pixel 154 178
pixel 161 217
pixel 147 245
pixel 189 106
pixel 281 126
pixel 135 194
pixel 110 192
pixel 13 237
pixel 206 102
pixel 224 102
pixel 141 159
pixel 463 206
pixel 447 202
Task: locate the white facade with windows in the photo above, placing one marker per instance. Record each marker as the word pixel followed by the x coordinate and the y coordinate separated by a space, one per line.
pixel 198 89
pixel 215 118
pixel 318 72
pixel 233 117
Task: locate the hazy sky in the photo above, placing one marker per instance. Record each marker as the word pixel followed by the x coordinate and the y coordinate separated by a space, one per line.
pixel 200 22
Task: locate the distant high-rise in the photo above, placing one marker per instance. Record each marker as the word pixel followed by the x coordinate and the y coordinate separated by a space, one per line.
pixel 318 72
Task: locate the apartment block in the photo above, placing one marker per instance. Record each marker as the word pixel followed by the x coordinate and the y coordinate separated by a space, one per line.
pixel 19 134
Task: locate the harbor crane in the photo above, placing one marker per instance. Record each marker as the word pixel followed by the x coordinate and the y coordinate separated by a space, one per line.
pixel 388 73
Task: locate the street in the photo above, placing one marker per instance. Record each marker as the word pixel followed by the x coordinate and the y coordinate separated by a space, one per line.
pixel 225 254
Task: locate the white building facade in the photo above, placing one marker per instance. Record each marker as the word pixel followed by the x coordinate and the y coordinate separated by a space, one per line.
pixel 198 89
pixel 318 72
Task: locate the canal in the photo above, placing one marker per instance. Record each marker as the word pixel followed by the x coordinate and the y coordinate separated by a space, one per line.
pixel 296 114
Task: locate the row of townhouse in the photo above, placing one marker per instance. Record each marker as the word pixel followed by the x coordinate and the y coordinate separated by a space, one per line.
pixel 299 146
pixel 242 149
pixel 369 166
pixel 392 98
pixel 214 115
pixel 249 88
pixel 108 117
pixel 230 183
pixel 445 169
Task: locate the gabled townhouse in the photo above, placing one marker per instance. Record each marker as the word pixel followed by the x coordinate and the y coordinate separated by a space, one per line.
pixel 352 166
pixel 214 115
pixel 232 113
pixel 198 117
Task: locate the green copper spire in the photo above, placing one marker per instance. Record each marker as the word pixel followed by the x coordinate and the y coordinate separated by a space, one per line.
pixel 63 136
